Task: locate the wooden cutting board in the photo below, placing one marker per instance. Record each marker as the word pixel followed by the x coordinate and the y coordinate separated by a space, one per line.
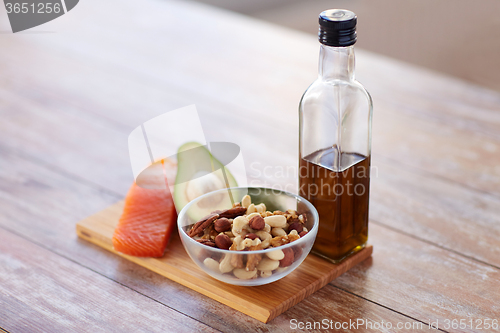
pixel 261 302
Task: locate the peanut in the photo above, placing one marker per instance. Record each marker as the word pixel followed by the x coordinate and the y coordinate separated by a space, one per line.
pixel 251 209
pixel 281 269
pixel 261 208
pixel 267 264
pixel 276 255
pixel 246 201
pixel 247 227
pixel 211 264
pixel 266 274
pixel 266 243
pixel 278 232
pixel 243 274
pixel 276 221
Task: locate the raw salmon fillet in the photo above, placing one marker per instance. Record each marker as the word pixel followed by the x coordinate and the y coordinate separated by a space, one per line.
pixel 147 221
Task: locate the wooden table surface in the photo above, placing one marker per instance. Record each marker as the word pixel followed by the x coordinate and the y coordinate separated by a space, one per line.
pixel 71 93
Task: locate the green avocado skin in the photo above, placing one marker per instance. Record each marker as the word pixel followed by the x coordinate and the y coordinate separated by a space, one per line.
pixel 193 158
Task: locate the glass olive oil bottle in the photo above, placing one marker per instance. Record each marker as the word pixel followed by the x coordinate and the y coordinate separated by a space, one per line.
pixel 335 115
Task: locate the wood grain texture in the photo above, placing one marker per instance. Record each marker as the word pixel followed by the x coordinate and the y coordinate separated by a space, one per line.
pixel 417 133
pixel 179 78
pixel 43 207
pixel 434 191
pixel 43 292
pixel 28 217
pixel 437 211
pixel 261 302
pixel 405 273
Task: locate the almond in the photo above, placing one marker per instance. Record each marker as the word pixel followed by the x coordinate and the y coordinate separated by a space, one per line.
pixel 233 212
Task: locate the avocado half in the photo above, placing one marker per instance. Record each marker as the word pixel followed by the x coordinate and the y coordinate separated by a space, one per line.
pixel 199 172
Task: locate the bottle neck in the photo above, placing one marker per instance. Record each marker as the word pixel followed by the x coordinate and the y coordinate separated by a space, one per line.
pixel 336 63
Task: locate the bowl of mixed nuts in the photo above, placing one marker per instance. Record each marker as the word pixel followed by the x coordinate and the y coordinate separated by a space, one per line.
pixel 248 236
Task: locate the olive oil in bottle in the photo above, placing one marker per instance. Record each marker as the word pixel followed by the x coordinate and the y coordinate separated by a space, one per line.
pixel 341 199
pixel 335 142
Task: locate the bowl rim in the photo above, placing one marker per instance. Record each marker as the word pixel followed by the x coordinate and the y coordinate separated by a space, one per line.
pixel 310 234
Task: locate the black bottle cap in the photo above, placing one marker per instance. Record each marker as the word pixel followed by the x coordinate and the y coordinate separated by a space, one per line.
pixel 337 27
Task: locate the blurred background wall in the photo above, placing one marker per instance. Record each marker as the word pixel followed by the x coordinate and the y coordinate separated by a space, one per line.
pixel 456 37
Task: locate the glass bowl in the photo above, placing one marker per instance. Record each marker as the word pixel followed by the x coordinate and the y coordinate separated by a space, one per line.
pixel 212 259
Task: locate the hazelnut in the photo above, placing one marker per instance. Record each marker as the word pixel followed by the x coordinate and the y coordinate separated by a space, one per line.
pixel 296 226
pixel 297 252
pixel 257 223
pixel 222 224
pixel 302 233
pixel 223 241
pixel 252 236
pixel 288 259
